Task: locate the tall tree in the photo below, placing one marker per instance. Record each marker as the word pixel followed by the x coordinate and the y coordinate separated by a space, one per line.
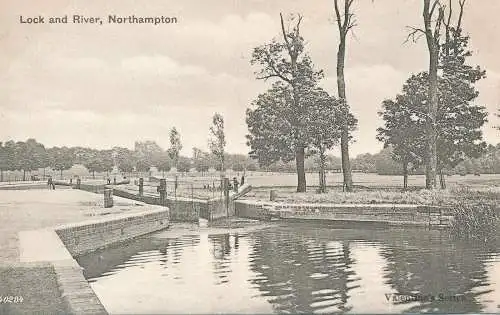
pixel 364 162
pixel 291 68
pixel 498 115
pixel 175 146
pixel 125 159
pixel 459 122
pixel 142 165
pixel 4 160
pixel 201 160
pixel 272 125
pixel 10 151
pixel 164 163
pixel 345 22
pixel 146 154
pixel 184 164
pixel 60 159
pixel 385 164
pixel 433 16
pixel 30 155
pixel 92 162
pixel 324 126
pixel 432 35
pixel 107 161
pixel 462 129
pixel 445 53
pixel 404 128
pixel 217 142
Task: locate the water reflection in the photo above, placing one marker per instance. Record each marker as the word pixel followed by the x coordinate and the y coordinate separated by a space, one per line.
pixel 300 274
pixel 296 269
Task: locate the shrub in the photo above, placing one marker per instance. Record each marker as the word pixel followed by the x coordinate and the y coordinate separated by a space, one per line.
pixel 478 220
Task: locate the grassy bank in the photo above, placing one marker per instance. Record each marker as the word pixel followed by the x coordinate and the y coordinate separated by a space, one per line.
pixel 447 197
pixel 34 289
pixel 475 209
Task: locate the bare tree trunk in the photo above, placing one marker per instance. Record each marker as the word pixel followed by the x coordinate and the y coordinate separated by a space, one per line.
pixel 430 175
pixel 442 179
pixel 432 37
pixel 322 176
pixel 405 175
pixel 344 27
pixel 301 175
pixel 344 138
pixel 61 174
pixel 24 175
pixel 294 82
pixel 222 166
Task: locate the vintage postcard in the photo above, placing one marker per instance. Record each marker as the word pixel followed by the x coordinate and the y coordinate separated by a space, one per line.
pixel 249 156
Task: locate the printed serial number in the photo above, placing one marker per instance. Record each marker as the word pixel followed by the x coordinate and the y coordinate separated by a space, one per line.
pixel 11 299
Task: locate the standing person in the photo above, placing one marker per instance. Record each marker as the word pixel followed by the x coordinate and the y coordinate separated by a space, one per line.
pixel 49 182
pixel 242 179
pixel 235 184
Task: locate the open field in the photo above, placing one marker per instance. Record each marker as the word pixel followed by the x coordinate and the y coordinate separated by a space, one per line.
pixel 259 179
pixel 373 188
pixel 369 180
pixel 369 188
pixel 378 196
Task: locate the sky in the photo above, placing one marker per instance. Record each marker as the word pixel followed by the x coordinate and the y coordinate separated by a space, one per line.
pixel 113 84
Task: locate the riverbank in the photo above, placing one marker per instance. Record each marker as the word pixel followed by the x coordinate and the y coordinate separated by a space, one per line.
pixel 22 210
pixel 39 237
pixel 470 211
pixel 440 197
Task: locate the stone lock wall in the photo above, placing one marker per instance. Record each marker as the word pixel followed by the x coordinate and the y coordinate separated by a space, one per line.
pixel 185 209
pixel 390 213
pixel 86 237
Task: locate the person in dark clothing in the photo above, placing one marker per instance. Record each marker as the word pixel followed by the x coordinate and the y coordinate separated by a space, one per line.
pixel 51 184
pixel 235 184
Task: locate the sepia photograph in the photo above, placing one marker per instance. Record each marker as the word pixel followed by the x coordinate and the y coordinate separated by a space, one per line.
pixel 249 157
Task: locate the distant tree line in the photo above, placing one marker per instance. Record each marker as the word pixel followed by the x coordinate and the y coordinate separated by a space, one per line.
pixel 384 163
pixel 32 156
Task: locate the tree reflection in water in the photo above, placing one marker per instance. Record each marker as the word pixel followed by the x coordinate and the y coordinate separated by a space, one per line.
pixel 306 269
pixel 312 270
pixel 221 249
pixel 434 265
pixel 301 274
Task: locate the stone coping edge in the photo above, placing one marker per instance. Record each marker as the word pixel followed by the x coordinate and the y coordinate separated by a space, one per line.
pixel 104 219
pixel 332 221
pixel 44 248
pixel 336 205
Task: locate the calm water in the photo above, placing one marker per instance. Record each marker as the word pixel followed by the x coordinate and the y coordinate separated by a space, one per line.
pixel 297 268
